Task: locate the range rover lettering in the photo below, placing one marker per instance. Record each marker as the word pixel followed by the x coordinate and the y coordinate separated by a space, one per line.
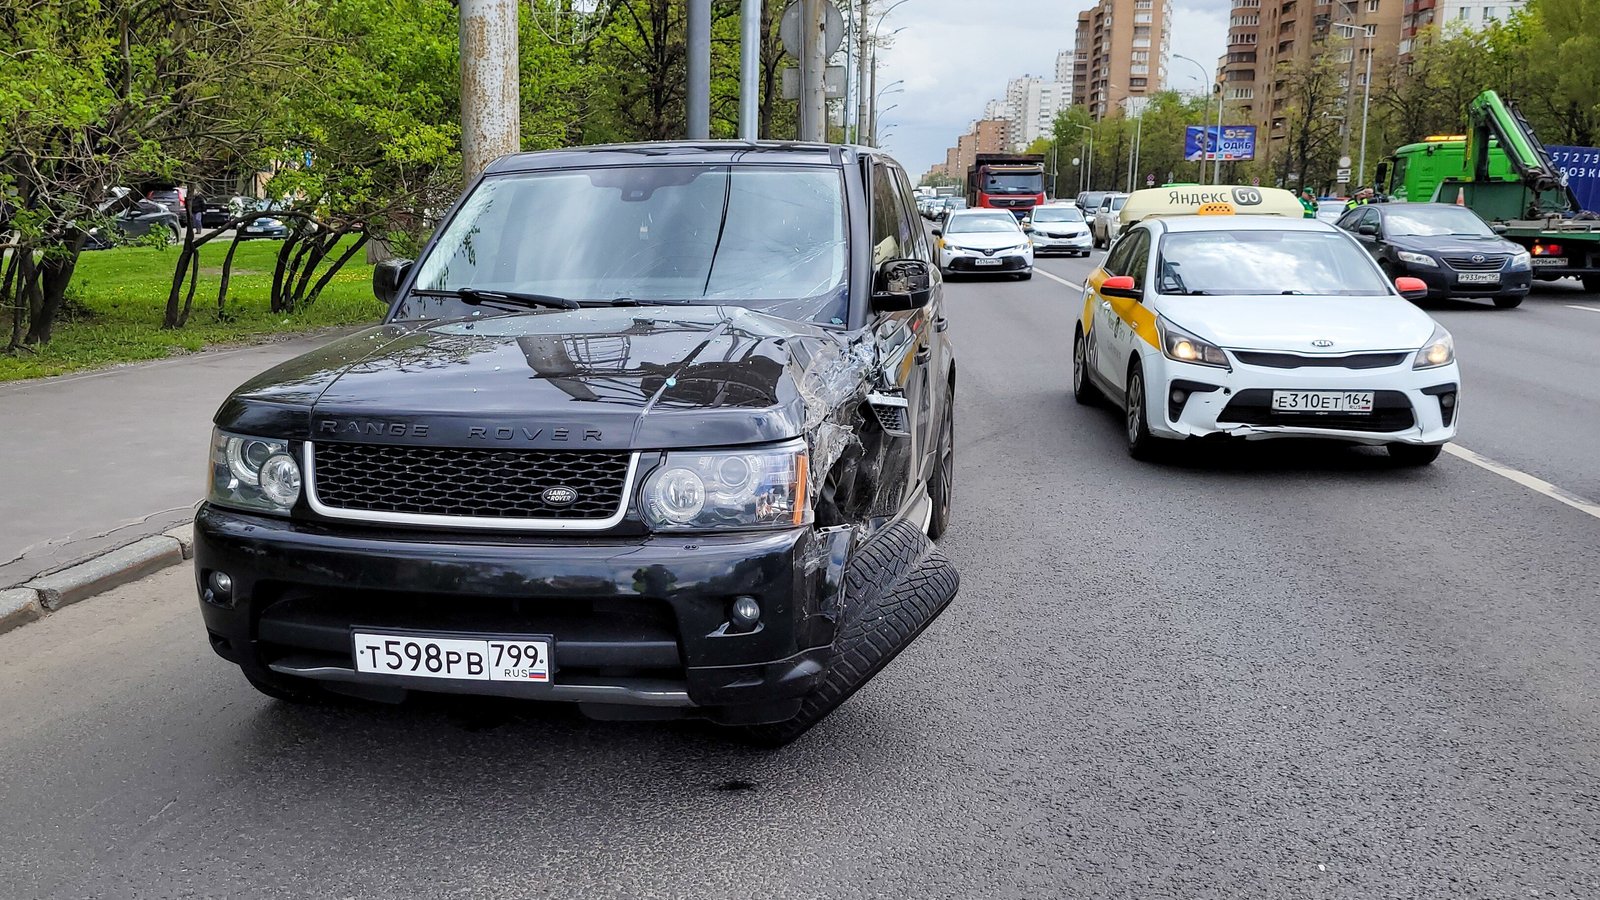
pixel 659 430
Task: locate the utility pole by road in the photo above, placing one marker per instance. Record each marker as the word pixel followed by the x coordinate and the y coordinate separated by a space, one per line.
pixel 698 95
pixel 813 66
pixel 749 70
pixel 1216 156
pixel 491 100
pixel 863 96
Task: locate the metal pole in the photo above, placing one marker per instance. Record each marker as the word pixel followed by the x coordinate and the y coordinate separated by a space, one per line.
pixel 862 91
pixel 1205 139
pixel 813 100
pixel 849 70
pixel 698 96
pixel 491 122
pixel 1366 101
pixel 749 71
pixel 1216 165
pixel 1349 86
pixel 1090 172
pixel 1138 147
pixel 872 104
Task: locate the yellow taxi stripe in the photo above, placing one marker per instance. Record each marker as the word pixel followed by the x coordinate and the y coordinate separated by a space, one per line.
pixel 1137 315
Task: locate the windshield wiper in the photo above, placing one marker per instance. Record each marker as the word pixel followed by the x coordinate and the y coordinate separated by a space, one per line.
pixel 476 296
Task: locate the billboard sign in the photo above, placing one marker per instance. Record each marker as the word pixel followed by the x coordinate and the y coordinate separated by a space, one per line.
pixel 1235 143
pixel 1581 165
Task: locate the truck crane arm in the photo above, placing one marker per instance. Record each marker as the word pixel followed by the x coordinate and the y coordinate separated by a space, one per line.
pixel 1494 117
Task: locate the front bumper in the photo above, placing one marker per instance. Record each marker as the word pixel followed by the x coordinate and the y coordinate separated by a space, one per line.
pixel 1444 282
pixel 1004 261
pixel 634 622
pixel 1080 243
pixel 1410 406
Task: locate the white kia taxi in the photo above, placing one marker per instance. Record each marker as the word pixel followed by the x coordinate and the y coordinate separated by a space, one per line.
pixel 1261 326
pixel 984 241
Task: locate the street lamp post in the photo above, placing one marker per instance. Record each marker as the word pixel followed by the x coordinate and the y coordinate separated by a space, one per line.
pixel 1366 104
pixel 1205 120
pixel 869 65
pixel 1350 29
pixel 1088 177
pixel 1216 156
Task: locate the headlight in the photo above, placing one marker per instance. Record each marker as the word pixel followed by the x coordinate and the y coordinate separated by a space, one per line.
pixel 1420 259
pixel 1440 350
pixel 1522 260
pixel 253 473
pixel 1184 347
pixel 739 488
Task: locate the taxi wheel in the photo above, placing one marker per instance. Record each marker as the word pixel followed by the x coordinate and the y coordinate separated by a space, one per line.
pixel 1414 454
pixel 1083 390
pixel 1142 445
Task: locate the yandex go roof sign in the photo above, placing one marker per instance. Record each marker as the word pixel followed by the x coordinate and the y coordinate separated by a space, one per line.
pixel 1217 200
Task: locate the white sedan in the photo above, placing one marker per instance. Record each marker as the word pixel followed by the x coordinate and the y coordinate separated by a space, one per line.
pixel 984 241
pixel 1059 228
pixel 1262 327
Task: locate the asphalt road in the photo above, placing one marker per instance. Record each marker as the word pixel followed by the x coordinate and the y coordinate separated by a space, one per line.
pixel 1269 671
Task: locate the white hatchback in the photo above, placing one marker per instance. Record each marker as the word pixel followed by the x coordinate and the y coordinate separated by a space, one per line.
pixel 984 241
pixel 1262 327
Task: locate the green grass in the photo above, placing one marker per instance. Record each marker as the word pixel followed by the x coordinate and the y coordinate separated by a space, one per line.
pixel 117 299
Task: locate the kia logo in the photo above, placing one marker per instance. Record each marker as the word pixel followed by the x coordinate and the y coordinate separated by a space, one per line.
pixel 1322 342
pixel 560 496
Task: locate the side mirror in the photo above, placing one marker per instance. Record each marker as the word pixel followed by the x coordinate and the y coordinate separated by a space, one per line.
pixel 1367 228
pixel 1499 229
pixel 1121 286
pixel 902 284
pixel 937 232
pixel 387 277
pixel 1383 174
pixel 1026 221
pixel 1411 288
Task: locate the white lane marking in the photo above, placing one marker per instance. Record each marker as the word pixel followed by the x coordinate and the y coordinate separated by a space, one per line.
pixel 1537 485
pixel 1058 278
pixel 1584 308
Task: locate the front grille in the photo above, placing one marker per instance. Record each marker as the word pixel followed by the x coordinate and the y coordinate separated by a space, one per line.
pixel 1007 264
pixel 1391 411
pixel 1491 262
pixel 449 481
pixel 1297 361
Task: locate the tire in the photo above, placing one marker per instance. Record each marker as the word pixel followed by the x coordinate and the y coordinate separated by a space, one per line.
pixel 895 585
pixel 173 235
pixel 1025 276
pixel 1591 283
pixel 1083 389
pixel 1142 445
pixel 941 484
pixel 1414 455
pixel 1508 302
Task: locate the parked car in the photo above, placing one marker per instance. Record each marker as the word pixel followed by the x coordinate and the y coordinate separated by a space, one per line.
pixel 1105 224
pixel 266 226
pixel 1059 228
pixel 172 198
pixel 215 213
pixel 136 220
pixel 1456 253
pixel 1331 209
pixel 984 241
pixel 676 445
pixel 1089 202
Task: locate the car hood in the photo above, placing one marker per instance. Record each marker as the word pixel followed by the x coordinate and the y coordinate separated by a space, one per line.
pixel 985 240
pixel 1061 229
pixel 612 378
pixel 1292 323
pixel 1453 244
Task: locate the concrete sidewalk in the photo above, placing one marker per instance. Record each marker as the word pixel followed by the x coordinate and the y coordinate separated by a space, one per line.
pixel 94 461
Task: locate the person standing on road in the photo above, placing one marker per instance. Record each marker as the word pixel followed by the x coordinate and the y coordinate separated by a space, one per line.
pixel 197 205
pixel 1308 202
pixel 1362 198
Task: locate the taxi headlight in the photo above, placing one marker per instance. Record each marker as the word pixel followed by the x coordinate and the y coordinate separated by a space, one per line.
pixel 254 473
pixel 1418 259
pixel 704 490
pixel 1440 350
pixel 1182 346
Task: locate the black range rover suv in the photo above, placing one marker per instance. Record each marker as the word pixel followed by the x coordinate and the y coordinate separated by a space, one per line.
pixel 658 429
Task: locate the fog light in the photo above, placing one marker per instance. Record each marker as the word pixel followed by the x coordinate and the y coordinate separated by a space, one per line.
pixel 1179 396
pixel 1447 400
pixel 745 611
pixel 222 583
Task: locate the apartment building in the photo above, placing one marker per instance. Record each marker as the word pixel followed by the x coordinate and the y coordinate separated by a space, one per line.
pixel 1451 15
pixel 1030 104
pixel 1121 52
pixel 988 135
pixel 1267 37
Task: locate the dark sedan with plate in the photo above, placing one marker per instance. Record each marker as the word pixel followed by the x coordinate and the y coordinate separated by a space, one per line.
pixel 1452 250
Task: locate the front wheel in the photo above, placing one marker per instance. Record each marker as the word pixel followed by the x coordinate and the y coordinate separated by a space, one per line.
pixel 1414 455
pixel 941 486
pixel 1508 302
pixel 1025 276
pixel 1591 283
pixel 1142 445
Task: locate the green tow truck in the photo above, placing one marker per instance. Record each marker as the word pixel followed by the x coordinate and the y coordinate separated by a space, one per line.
pixel 1502 172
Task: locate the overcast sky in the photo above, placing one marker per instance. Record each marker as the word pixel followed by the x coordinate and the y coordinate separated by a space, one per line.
pixel 955 55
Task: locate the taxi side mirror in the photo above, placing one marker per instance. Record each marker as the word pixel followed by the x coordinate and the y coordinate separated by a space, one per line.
pixel 1411 288
pixel 1121 286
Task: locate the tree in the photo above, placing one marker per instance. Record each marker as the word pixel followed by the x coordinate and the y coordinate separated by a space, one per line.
pixel 1563 44
pixel 1316 95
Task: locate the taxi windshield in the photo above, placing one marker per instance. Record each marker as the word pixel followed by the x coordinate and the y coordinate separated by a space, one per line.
pixel 1265 263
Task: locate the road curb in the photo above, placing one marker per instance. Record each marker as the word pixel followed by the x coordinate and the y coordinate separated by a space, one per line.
pixel 110 570
pixel 18 607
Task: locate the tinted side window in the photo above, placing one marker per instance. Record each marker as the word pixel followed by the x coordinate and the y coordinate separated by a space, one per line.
pixel 1138 256
pixel 919 238
pixel 1117 261
pixel 891 234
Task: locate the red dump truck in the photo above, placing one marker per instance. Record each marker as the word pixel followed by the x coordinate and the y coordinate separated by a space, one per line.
pixel 1010 181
